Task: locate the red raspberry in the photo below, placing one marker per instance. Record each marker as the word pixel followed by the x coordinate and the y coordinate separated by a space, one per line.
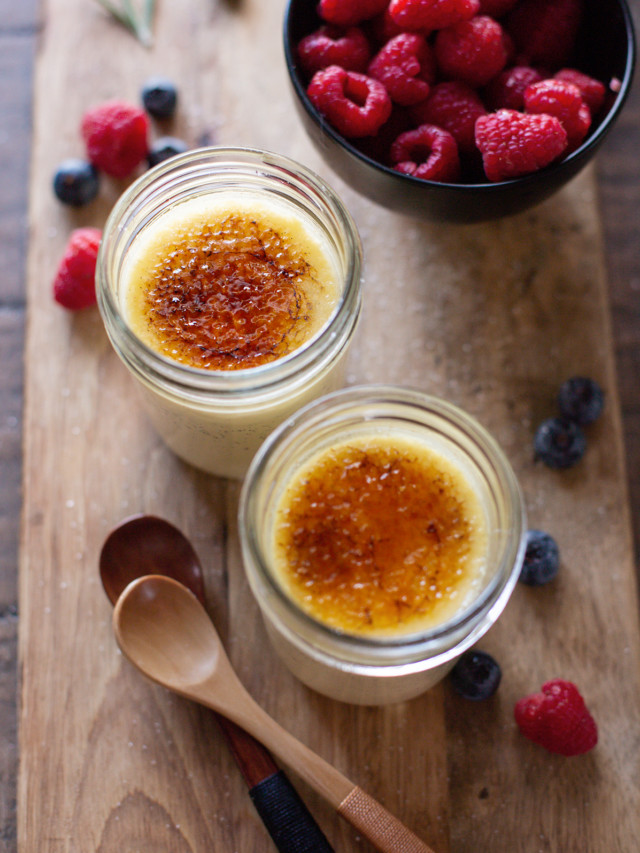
pixel 496 8
pixel 74 284
pixel 545 31
pixel 427 152
pixel 378 147
pixel 329 45
pixel 514 144
pixel 346 13
pixel 383 28
pixel 356 105
pixel 564 101
pixel 593 91
pixel 473 51
pixel 406 66
pixel 557 719
pixel 430 15
pixel 455 107
pixel 115 134
pixel 506 91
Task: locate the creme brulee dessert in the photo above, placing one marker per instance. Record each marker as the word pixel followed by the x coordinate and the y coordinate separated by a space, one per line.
pixel 228 282
pixel 380 536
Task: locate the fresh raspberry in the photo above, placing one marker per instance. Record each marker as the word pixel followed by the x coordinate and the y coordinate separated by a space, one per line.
pixel 455 107
pixel 383 28
pixel 406 66
pixel 427 152
pixel 378 147
pixel 115 134
pixel 355 104
pixel 74 283
pixel 557 719
pixel 510 49
pixel 430 15
pixel 496 8
pixel 472 51
pixel 593 91
pixel 545 31
pixel 506 91
pixel 346 13
pixel 330 45
pixel 514 144
pixel 564 101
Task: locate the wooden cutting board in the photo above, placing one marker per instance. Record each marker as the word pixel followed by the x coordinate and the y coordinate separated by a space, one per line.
pixel 493 317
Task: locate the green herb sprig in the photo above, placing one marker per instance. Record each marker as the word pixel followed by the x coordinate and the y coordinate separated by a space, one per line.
pixel 139 23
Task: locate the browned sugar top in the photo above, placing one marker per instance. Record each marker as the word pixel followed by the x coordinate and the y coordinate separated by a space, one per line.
pixel 227 292
pixel 380 537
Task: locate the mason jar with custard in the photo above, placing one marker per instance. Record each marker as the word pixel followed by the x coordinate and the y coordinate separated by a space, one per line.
pixel 229 283
pixel 382 533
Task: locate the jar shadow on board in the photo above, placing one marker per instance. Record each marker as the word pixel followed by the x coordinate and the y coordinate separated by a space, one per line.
pixel 382 534
pixel 270 248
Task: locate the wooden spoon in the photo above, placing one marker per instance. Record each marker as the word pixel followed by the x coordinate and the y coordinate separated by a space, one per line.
pixel 166 633
pixel 147 545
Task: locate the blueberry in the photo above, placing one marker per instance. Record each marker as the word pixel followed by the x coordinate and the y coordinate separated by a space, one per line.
pixel 581 399
pixel 165 147
pixel 541 559
pixel 159 97
pixel 476 675
pixel 76 182
pixel 559 443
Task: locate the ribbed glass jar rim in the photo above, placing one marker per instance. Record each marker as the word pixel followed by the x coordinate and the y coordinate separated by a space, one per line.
pixel 404 405
pixel 214 169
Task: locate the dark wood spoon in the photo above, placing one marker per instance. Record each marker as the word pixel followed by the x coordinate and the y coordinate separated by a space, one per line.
pixel 147 545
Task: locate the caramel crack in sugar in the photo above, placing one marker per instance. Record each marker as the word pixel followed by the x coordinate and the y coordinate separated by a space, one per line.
pixel 227 292
pixel 379 537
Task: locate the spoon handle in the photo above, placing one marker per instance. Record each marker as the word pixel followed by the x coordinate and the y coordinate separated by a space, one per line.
pixel 253 759
pixel 283 812
pixel 385 831
pixel 287 819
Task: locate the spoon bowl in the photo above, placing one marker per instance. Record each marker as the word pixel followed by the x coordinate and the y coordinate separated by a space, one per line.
pixel 166 636
pixel 148 545
pixel 145 545
pixel 166 633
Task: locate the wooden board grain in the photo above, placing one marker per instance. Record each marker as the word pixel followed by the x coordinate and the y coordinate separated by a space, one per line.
pixel 492 317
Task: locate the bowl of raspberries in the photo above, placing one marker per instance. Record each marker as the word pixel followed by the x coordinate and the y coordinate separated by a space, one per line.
pixel 458 110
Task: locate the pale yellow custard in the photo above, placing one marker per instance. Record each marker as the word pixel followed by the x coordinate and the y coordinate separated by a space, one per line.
pixel 380 536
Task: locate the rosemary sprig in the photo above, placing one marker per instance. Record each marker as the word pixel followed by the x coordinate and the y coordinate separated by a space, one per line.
pixel 140 24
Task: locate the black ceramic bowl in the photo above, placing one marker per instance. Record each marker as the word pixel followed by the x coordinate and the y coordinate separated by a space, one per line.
pixel 606 51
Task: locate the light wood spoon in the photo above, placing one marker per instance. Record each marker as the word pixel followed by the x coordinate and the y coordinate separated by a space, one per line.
pixel 147 545
pixel 167 634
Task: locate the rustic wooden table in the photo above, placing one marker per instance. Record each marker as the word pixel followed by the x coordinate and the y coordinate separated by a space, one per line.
pixel 24 32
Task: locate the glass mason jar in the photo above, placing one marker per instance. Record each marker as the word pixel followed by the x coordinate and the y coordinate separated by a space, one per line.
pixel 216 419
pixel 364 669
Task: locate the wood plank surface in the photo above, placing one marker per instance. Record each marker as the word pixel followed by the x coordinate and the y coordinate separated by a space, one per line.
pixel 493 317
pixel 17 49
